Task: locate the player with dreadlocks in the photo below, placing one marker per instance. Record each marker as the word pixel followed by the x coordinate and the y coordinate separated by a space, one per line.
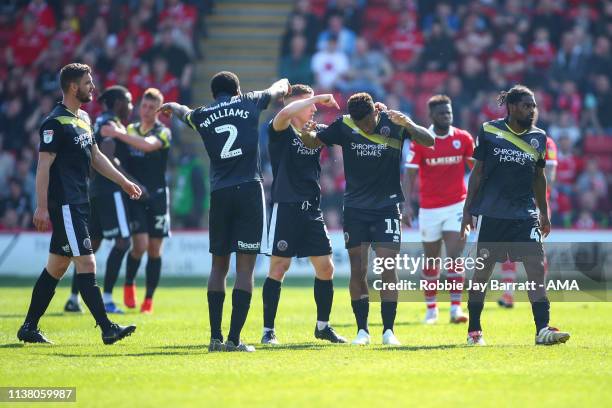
pixel 507 192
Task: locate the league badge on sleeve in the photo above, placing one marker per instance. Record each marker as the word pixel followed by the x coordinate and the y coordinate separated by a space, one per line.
pixel 48 136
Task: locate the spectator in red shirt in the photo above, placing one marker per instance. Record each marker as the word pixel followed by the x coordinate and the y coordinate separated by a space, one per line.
pixel 69 38
pixel 568 165
pixel 135 31
pixel 509 60
pixel 405 43
pixel 45 19
pixel 163 80
pixel 182 16
pixel 541 51
pixel 474 39
pixel 569 99
pixel 27 43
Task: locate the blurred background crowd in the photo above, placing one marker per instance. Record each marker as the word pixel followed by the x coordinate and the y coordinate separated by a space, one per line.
pixel 401 51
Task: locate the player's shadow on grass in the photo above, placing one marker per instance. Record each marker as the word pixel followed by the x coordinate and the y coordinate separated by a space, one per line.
pixel 21 315
pixel 295 346
pixel 121 355
pixel 11 345
pixel 422 348
pixel 411 323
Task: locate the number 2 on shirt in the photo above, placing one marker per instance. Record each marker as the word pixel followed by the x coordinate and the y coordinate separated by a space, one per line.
pixel 226 153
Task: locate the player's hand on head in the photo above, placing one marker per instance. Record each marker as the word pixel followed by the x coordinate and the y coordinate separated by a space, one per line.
pixel 328 100
pixel 132 190
pixel 166 109
pixel 381 107
pixel 41 219
pixel 397 117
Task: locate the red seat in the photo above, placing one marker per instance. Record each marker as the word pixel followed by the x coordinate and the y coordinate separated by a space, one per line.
pixel 431 81
pixel 410 81
pixel 598 144
pixel 605 162
pixel 420 106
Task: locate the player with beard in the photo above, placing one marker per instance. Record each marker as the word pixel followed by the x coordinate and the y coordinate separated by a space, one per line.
pixel 507 187
pixel 109 218
pixel 297 227
pixel 67 153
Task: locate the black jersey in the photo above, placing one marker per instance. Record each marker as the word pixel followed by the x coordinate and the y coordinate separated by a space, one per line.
pixel 295 167
pixel 149 168
pixel 100 185
pixel 229 129
pixel 509 166
pixel 70 138
pixel 371 161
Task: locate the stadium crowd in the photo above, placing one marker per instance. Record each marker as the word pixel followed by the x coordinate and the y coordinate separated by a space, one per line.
pixel 404 51
pixel 155 45
pixel 401 51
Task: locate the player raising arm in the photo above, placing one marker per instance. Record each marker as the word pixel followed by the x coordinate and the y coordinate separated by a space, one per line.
pixel 229 130
pixel 371 141
pixel 297 227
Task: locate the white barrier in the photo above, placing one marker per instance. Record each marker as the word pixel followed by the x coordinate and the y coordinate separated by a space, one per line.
pixel 186 253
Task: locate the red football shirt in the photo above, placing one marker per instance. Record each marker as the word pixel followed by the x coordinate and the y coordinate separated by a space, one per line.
pixel 442 168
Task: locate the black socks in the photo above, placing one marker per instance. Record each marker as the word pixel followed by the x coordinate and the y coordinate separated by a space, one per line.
pixel 90 292
pixel 541 313
pixel 131 269
pixel 271 296
pixel 324 297
pixel 241 302
pixel 43 292
pixel 388 311
pixel 113 264
pixel 361 309
pixel 153 272
pixel 475 310
pixel 215 313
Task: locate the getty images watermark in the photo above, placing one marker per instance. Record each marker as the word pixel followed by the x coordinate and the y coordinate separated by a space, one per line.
pixel 575 272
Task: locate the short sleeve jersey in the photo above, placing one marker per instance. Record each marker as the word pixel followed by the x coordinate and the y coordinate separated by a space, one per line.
pixel 509 166
pixel 296 168
pixel 229 129
pixel 442 168
pixel 70 137
pixel 371 161
pixel 100 185
pixel 149 168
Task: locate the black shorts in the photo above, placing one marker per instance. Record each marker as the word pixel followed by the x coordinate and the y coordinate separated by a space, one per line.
pixel 504 239
pixel 109 216
pixel 381 226
pixel 297 229
pixel 151 216
pixel 238 220
pixel 70 236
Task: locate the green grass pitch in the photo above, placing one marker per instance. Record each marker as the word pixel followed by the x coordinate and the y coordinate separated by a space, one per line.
pixel 166 363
